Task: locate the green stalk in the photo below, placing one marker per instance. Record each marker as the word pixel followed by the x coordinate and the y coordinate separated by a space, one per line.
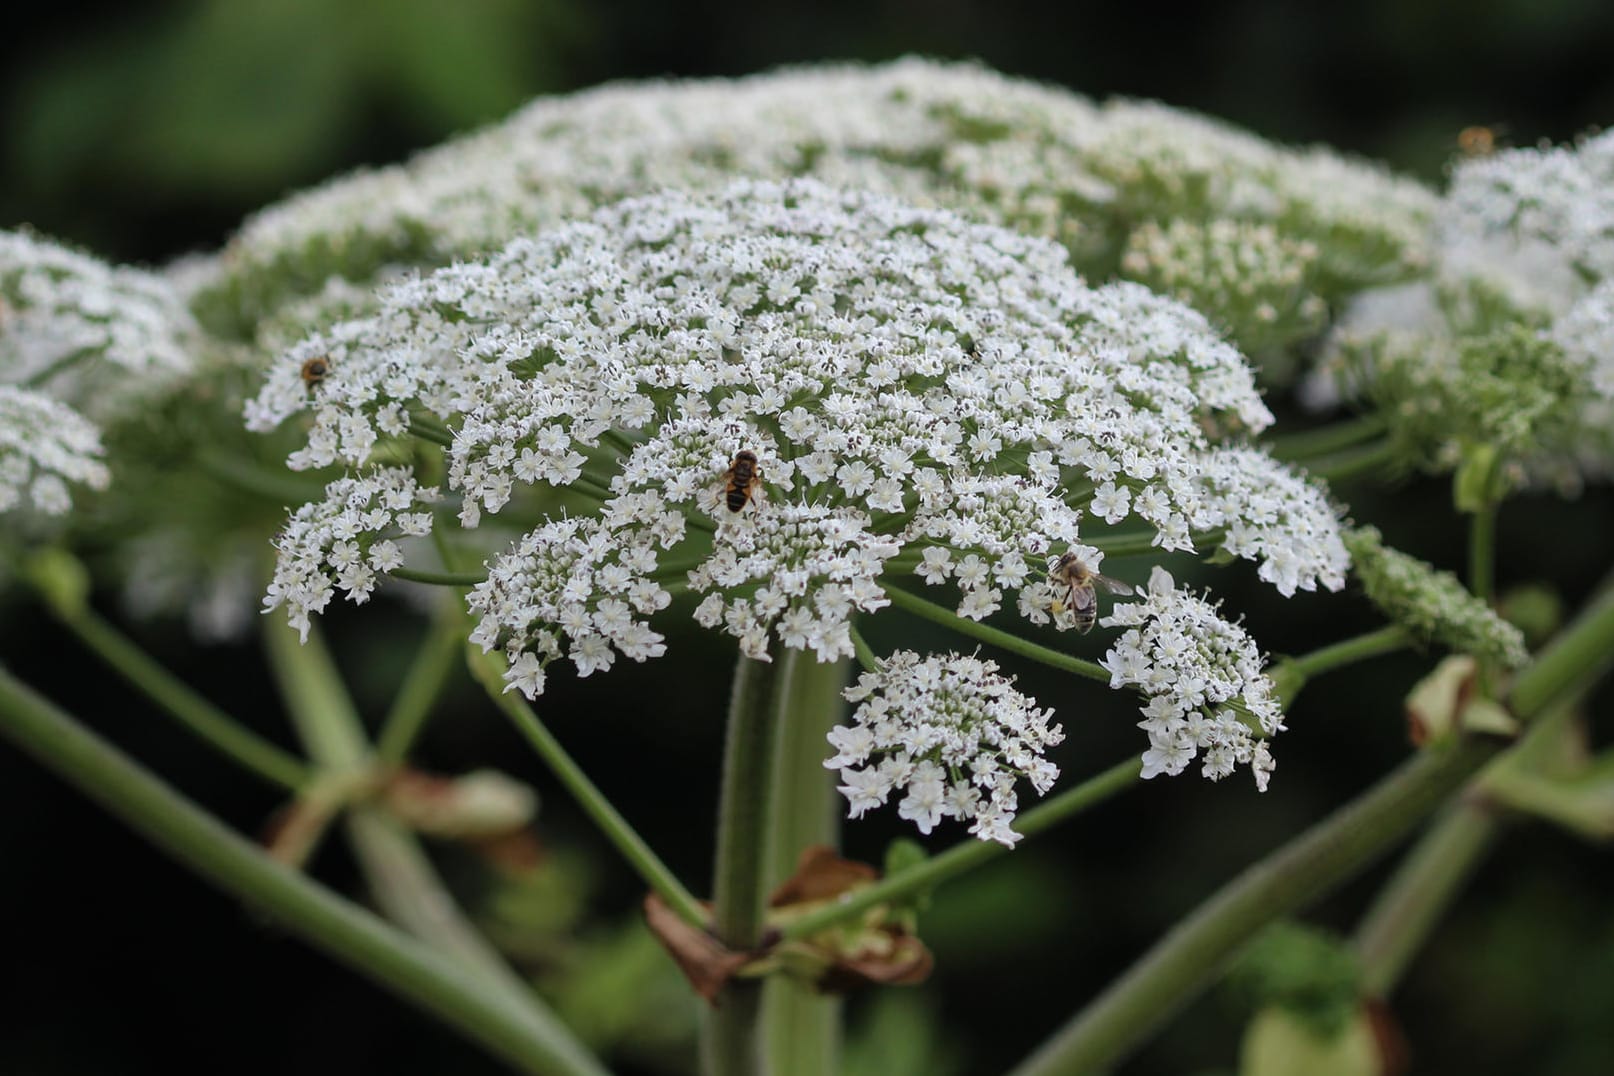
pixel 1353 462
pixel 910 602
pixel 1140 543
pixel 526 1037
pixel 1192 953
pixel 731 1037
pixel 212 725
pixel 439 654
pixel 802 1028
pixel 1432 875
pixel 1328 439
pixel 1291 674
pixel 403 881
pixel 488 670
pixel 1420 891
pixel 966 855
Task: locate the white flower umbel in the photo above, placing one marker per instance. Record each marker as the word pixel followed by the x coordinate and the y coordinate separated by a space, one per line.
pixel 346 541
pixel 99 337
pixel 1274 515
pixel 44 446
pixel 1203 677
pixel 920 393
pixel 949 732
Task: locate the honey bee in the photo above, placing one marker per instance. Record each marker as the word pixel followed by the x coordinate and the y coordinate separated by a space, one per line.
pixel 315 369
pixel 742 482
pixel 1081 585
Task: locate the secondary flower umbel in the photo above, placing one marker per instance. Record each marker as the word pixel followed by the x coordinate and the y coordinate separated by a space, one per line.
pixel 952 733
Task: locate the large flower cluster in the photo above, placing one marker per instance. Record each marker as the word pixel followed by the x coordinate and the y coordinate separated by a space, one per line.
pixel 1203 677
pixel 1038 159
pixel 918 391
pixel 81 342
pixel 949 732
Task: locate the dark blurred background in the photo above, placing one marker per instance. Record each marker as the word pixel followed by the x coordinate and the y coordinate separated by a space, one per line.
pixel 146 131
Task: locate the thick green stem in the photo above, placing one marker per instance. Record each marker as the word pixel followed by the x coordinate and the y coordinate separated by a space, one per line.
pixel 489 671
pixel 1189 957
pixel 965 856
pixel 403 881
pixel 801 1027
pixel 1421 890
pixel 528 1038
pixel 910 602
pixel 1432 875
pixel 175 697
pixel 1195 951
pixel 731 1041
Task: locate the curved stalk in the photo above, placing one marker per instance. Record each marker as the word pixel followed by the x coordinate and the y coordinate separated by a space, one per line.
pixel 529 1038
pixel 440 652
pixel 176 698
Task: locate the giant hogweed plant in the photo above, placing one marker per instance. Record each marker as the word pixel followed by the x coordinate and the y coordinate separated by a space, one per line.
pixel 774 359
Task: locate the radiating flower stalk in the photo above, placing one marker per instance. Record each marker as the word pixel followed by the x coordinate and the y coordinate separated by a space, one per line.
pixel 782 358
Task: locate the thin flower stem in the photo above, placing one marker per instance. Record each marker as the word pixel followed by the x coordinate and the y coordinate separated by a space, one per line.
pixel 404 883
pixel 427 427
pixel 1193 952
pixel 907 600
pixel 867 659
pixel 966 855
pixel 1140 543
pixel 441 579
pixel 439 654
pixel 215 727
pixel 277 487
pixel 1349 651
pixel 731 1039
pixel 488 669
pixel 1354 462
pixel 802 1028
pixel 527 1037
pixel 1328 439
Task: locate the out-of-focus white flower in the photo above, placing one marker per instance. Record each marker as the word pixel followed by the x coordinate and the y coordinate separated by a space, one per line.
pixel 98 337
pixel 44 446
pixel 951 733
pixel 1038 159
pixel 906 380
pixel 1204 681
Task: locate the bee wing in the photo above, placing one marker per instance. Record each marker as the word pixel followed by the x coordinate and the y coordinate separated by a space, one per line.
pixel 1113 586
pixel 1083 600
